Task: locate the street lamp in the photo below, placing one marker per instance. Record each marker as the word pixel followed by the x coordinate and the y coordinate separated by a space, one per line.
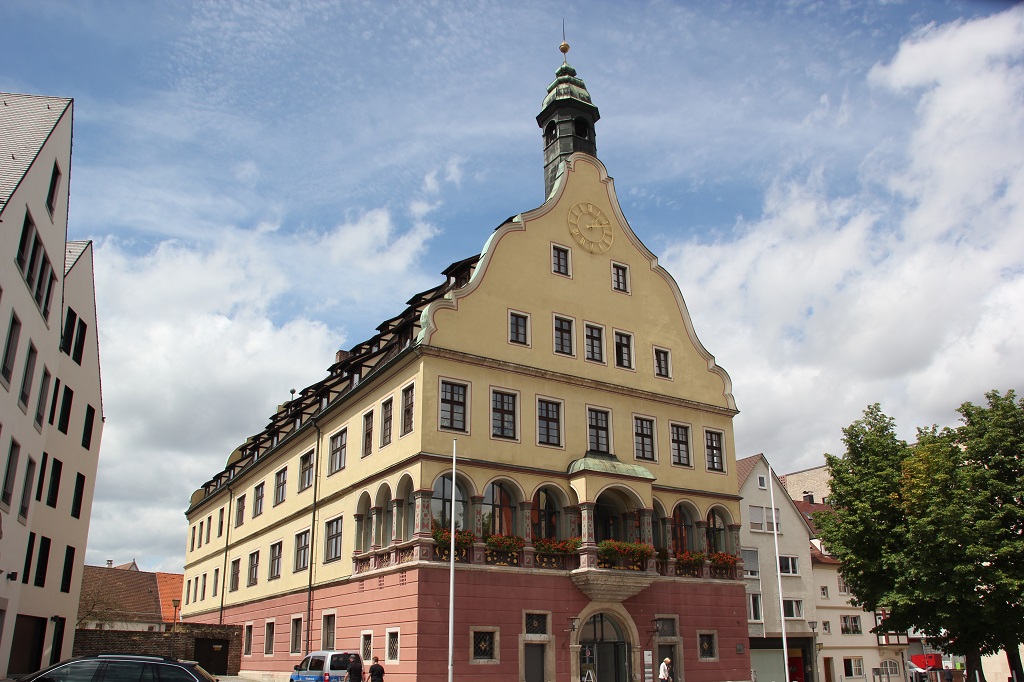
pixel 813 624
pixel 175 603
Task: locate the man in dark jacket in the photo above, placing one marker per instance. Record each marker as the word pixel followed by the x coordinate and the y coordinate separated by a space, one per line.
pixel 377 671
pixel 355 669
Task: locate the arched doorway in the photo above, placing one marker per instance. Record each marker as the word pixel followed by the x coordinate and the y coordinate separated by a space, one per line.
pixel 604 650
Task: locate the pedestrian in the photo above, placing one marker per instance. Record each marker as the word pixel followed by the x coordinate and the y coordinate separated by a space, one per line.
pixel 376 671
pixel 665 671
pixel 355 669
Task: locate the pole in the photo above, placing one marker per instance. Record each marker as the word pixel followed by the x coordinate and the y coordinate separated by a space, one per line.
pixel 778 572
pixel 451 577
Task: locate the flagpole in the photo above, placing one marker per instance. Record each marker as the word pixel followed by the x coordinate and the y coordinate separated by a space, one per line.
pixel 451 577
pixel 778 572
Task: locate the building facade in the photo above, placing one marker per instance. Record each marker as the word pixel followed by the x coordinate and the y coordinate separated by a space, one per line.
pixel 51 414
pixel 593 442
pixel 769 617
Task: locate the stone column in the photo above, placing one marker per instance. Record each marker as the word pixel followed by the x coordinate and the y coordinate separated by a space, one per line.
pixel 397 521
pixel 476 515
pixel 700 529
pixel 421 524
pixel 527 523
pixel 588 551
pixel 359 519
pixel 375 527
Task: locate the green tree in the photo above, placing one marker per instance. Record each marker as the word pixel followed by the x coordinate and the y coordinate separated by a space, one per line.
pixel 934 533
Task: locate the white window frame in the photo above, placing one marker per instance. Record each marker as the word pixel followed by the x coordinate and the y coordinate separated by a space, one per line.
pixel 529 329
pixel 629 284
pixel 752 599
pixel 668 363
pixel 568 260
pixel 792 566
pixel 797 609
pixel 388 632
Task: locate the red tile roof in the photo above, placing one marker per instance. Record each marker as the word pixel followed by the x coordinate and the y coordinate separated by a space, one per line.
pixel 128 595
pixel 745 466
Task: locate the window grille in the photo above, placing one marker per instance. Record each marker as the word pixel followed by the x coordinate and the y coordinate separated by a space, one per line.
pixel 483 646
pixel 536 624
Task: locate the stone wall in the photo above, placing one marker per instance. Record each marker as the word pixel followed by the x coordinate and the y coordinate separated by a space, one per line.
pixel 178 644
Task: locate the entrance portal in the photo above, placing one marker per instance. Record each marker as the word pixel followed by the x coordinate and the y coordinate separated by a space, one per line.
pixel 604 651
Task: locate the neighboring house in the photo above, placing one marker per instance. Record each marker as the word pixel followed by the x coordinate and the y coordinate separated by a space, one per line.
pixel 563 366
pixel 51 411
pixel 125 598
pixel 763 576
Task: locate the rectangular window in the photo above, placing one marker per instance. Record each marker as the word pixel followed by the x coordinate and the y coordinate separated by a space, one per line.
pixel 327 632
pixel 789 565
pixel 65 410
pixel 824 591
pixel 10 472
pixel 28 232
pixel 792 608
pixel 332 545
pixel 826 627
pixel 220 522
pixel 236 570
pixel 247 644
pixel 680 435
pixel 386 418
pixel 713 450
pixel 29 550
pixel 53 402
pixel 28 375
pixel 76 501
pixel 762 518
pixel 26 488
pixel 44 393
pixel 42 477
pixel 339 448
pixel 42 561
pixel 90 418
pixel 80 332
pixel 563 336
pixel 239 511
pixel 549 422
pixel 192 540
pixel 643 438
pixel 216 582
pixel 268 638
pixel 849 625
pixel 560 260
pixel 517 328
pixel 624 350
pixel 620 277
pixel 594 337
pixel 408 403
pixel 276 552
pixel 754 607
pixel 188 591
pixel 662 363
pixel 280 486
pixel 453 406
pixel 503 415
pixel 597 430
pixel 68 334
pixel 51 193
pixel 302 550
pixel 306 470
pixel 254 568
pixel 257 500
pixel 200 533
pixel 367 433
pixel 707 646
pixel 853 667
pixel 296 635
pixel 843 589
pixel 483 645
pixel 56 468
pixel 762 482
pixel 392 647
pixel 10 349
pixel 751 569
pixel 202 590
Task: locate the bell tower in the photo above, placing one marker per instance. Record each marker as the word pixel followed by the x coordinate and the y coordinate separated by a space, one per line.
pixel 567 118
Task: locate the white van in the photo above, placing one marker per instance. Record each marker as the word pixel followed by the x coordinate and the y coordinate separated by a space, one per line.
pixel 322 666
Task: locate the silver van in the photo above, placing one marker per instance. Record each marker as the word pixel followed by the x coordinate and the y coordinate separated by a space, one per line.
pixel 322 666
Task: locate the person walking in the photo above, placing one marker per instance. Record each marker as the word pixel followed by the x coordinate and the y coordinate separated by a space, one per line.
pixel 376 671
pixel 665 671
pixel 355 669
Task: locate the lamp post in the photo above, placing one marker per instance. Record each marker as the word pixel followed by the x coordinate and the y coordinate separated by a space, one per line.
pixel 813 624
pixel 175 603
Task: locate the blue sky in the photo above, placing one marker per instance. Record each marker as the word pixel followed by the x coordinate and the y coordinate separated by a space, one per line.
pixel 838 188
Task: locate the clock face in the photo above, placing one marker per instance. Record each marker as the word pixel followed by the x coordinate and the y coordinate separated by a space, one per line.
pixel 589 226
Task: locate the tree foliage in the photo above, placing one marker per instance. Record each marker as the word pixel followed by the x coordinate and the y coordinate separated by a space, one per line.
pixel 933 533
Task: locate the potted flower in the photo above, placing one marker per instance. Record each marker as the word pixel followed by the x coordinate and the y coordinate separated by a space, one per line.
pixel 632 553
pixel 552 546
pixel 463 538
pixel 690 563
pixel 505 543
pixel 723 563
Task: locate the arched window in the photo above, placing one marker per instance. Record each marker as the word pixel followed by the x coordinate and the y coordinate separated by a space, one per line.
pixel 387 524
pixel 890 668
pixel 682 529
pixel 410 515
pixel 581 128
pixel 550 132
pixel 499 511
pixel 716 532
pixel 441 505
pixel 545 515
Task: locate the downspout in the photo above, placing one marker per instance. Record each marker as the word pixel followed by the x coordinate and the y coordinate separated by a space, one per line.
pixel 312 539
pixel 227 543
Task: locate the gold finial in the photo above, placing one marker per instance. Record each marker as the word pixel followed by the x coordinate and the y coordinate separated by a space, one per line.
pixel 564 47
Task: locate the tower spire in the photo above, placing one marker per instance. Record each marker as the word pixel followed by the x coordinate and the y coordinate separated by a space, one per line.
pixel 567 118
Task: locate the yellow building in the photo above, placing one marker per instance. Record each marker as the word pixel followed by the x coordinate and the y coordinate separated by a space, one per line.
pixel 562 366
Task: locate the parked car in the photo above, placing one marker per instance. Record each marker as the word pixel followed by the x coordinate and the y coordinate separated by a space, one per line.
pixel 121 668
pixel 318 663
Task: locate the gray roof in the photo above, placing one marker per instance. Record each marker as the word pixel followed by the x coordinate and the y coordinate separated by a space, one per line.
pixel 26 122
pixel 72 252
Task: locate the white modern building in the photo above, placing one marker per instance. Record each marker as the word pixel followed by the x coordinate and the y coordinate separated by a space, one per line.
pixel 51 413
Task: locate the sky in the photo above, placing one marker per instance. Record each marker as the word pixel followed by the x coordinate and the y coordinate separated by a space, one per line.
pixel 837 186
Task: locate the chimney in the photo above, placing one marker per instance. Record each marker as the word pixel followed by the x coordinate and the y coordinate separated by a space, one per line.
pixel 808 497
pixel 110 563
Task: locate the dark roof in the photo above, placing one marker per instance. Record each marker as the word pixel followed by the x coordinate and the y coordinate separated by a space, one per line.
pixel 745 466
pixel 808 509
pixel 819 557
pixel 26 122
